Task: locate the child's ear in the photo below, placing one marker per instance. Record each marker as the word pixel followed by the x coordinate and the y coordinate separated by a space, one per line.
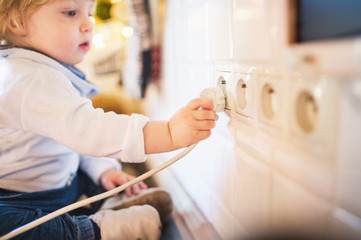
pixel 17 27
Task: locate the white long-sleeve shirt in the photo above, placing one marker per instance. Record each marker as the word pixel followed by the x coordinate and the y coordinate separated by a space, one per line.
pixel 49 128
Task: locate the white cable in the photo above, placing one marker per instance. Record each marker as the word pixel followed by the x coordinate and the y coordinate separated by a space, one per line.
pixel 95 198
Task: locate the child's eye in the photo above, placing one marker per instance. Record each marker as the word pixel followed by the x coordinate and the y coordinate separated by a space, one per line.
pixel 70 13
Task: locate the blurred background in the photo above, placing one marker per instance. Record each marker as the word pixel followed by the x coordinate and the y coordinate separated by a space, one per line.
pixel 126 52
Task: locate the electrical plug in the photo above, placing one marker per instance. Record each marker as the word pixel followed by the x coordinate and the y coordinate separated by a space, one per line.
pixel 216 97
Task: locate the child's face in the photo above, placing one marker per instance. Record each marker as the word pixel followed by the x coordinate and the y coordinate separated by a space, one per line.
pixel 61 30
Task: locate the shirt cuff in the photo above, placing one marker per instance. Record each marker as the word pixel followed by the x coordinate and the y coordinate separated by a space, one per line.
pixel 95 166
pixel 133 146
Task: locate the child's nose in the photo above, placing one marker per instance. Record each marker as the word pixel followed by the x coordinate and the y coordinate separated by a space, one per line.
pixel 87 25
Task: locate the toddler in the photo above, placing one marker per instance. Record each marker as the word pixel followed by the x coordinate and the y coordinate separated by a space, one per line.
pixel 54 146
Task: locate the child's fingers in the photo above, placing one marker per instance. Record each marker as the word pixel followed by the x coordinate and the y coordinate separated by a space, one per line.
pixel 205 115
pixel 134 189
pixel 121 179
pixel 200 103
pixel 107 184
pixel 205 125
pixel 142 185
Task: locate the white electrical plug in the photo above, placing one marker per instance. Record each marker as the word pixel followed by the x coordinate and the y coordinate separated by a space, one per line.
pixel 216 96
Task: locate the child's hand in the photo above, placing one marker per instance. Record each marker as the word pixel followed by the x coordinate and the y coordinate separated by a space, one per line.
pixel 192 123
pixel 112 178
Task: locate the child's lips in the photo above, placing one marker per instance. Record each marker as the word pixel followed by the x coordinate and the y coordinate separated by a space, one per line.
pixel 85 46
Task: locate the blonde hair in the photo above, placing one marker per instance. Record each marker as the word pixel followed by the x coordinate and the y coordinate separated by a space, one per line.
pixel 16 12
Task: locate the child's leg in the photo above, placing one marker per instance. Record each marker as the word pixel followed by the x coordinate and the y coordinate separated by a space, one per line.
pixel 18 208
pixel 131 222
pixel 60 228
pixel 156 197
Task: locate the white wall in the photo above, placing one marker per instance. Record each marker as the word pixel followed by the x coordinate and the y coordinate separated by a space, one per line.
pixel 260 169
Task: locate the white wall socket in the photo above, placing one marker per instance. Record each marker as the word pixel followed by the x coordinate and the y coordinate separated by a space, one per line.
pixel 271 101
pixel 243 87
pixel 313 113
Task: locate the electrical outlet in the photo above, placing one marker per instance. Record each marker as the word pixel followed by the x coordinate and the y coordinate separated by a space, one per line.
pixel 313 113
pixel 244 85
pixel 272 104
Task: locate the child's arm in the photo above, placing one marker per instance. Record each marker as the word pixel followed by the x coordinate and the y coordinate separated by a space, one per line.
pixel 188 125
